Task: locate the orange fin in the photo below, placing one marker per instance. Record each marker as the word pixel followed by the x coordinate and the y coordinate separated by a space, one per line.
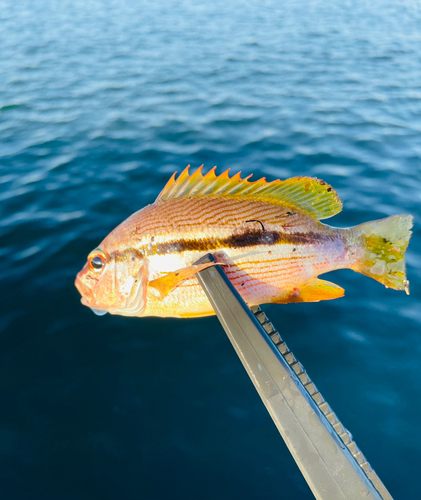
pixel 311 196
pixel 316 290
pixel 167 283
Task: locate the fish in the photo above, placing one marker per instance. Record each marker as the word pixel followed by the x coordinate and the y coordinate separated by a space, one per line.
pixel 266 235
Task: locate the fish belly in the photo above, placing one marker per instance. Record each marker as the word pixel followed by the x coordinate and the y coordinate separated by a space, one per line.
pixel 261 274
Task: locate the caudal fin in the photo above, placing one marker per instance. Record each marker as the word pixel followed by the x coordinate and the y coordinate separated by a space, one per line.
pixel 384 243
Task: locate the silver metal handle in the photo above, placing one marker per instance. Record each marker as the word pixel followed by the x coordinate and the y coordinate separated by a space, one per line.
pixel 333 467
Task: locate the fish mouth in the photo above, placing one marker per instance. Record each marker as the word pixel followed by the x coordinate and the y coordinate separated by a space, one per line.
pixel 87 297
pixel 79 286
pixel 84 291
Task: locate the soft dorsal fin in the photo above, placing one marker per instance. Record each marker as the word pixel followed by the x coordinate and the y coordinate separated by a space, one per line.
pixel 312 196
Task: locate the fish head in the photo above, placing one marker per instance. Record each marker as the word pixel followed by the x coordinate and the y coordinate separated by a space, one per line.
pixel 114 281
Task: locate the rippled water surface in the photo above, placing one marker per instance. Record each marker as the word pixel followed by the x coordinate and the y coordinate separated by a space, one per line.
pixel 100 102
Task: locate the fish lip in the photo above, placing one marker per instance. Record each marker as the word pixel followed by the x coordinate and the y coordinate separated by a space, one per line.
pixel 87 296
pixel 79 286
pixel 84 291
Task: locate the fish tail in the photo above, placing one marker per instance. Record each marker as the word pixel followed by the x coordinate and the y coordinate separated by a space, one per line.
pixel 384 243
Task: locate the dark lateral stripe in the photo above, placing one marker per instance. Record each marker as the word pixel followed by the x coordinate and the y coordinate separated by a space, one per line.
pixel 248 239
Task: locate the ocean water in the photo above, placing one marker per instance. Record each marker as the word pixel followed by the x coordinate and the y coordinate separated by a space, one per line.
pixel 100 102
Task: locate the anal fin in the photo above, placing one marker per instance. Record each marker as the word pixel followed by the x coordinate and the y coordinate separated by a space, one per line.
pixel 166 284
pixel 316 290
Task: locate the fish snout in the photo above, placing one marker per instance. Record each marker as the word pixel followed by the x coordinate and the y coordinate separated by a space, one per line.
pixel 83 290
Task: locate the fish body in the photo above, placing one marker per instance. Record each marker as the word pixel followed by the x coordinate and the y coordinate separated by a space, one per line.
pixel 267 236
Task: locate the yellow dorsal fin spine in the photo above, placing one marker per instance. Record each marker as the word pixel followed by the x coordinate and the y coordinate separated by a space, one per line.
pixel 307 194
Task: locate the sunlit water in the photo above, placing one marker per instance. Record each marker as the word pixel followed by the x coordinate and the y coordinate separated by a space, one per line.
pixel 100 102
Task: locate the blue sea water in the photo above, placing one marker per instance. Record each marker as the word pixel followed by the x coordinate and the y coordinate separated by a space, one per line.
pixel 100 102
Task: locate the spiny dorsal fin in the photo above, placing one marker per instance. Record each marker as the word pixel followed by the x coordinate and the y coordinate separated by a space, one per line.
pixel 310 195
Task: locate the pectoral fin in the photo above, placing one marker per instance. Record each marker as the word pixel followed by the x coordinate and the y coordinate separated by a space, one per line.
pixel 167 283
pixel 316 290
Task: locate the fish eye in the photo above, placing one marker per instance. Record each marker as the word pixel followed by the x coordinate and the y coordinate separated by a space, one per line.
pixel 97 263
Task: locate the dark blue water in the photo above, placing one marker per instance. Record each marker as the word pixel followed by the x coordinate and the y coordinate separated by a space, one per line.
pixel 99 103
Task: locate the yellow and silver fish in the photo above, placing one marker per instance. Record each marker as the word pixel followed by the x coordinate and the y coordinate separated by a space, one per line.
pixel 267 235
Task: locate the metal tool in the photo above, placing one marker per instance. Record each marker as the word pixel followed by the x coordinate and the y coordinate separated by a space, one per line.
pixel 330 461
